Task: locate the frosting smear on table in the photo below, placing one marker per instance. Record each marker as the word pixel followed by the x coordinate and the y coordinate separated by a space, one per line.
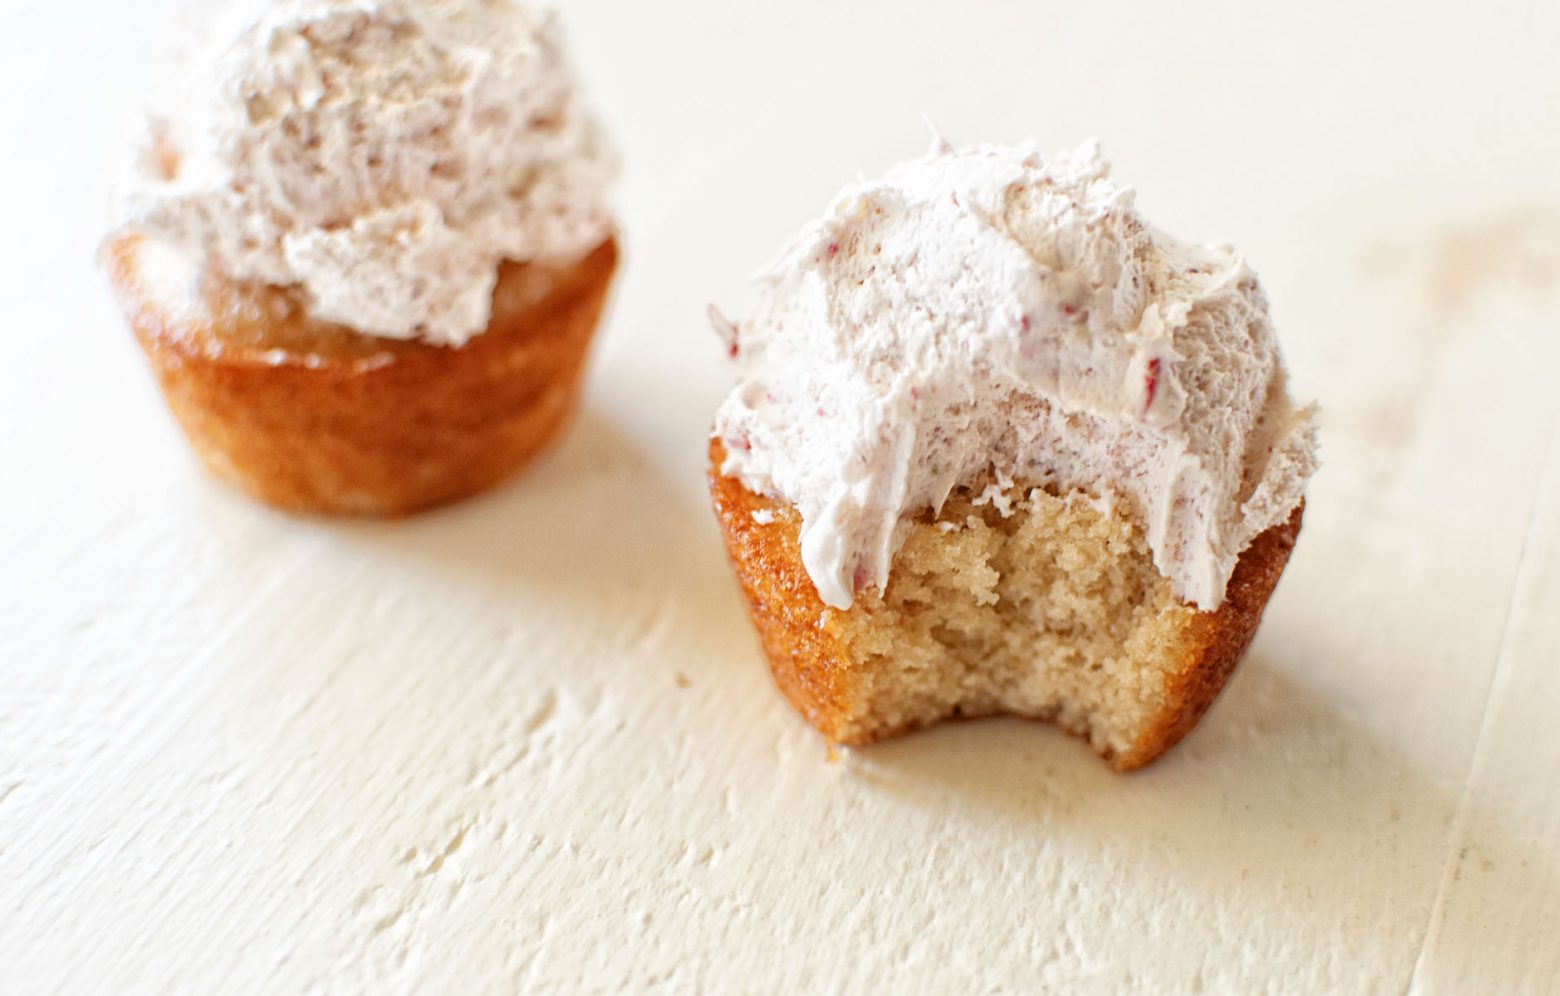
pixel 988 316
pixel 382 156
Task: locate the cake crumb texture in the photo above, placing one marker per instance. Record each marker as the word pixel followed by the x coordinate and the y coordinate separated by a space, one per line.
pixel 1054 612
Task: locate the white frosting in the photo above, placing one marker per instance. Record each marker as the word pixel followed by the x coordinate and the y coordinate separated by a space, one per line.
pixel 383 156
pixel 984 316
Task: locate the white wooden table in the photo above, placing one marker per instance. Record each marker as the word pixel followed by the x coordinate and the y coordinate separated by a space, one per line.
pixel 528 743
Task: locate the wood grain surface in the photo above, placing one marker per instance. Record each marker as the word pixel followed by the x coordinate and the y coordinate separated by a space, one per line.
pixel 529 744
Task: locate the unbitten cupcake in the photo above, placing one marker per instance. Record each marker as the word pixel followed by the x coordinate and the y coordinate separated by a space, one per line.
pixel 998 446
pixel 367 258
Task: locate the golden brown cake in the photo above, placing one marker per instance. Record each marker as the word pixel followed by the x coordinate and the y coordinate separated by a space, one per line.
pixel 1053 613
pixel 310 416
pixel 366 249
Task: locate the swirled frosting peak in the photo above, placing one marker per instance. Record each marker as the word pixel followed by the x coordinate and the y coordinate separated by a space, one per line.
pixel 382 156
pixel 988 315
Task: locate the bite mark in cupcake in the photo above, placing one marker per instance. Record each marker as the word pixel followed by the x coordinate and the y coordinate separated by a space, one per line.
pixel 1142 374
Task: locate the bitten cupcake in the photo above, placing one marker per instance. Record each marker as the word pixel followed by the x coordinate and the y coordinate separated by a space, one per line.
pixel 367 258
pixel 998 446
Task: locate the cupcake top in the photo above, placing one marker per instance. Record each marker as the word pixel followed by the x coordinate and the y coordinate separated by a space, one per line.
pixel 381 156
pixel 993 318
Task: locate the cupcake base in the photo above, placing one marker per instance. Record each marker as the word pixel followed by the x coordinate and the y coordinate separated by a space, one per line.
pixel 313 417
pixel 1054 612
